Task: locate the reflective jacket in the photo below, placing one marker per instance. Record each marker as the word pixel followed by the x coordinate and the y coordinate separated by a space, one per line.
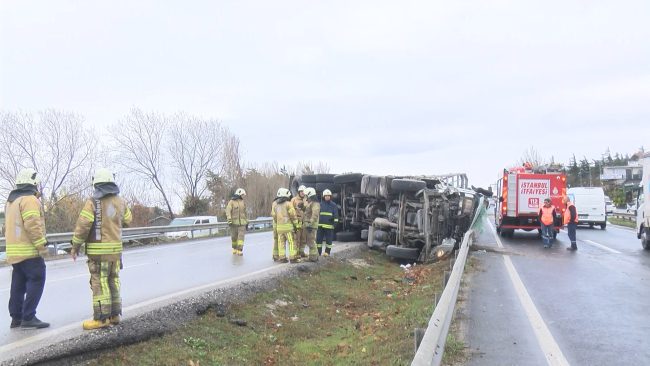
pixel 236 211
pixel 24 229
pixel 329 215
pixel 312 214
pixel 571 214
pixel 547 214
pixel 284 217
pixel 100 227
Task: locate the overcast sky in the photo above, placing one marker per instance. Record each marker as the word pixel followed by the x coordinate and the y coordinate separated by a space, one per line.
pixel 402 87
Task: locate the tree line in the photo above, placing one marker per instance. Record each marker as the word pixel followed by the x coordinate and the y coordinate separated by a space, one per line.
pixel 159 159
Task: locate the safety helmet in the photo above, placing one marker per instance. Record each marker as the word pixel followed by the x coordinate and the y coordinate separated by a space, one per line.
pixel 240 192
pixel 103 175
pixel 302 188
pixel 27 176
pixel 283 192
pixel 310 192
pixel 327 192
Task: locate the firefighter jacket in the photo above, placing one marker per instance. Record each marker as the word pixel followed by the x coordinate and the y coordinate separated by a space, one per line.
pixel 329 215
pixel 24 225
pixel 299 205
pixel 547 215
pixel 312 213
pixel 571 214
pixel 236 211
pixel 100 226
pixel 284 216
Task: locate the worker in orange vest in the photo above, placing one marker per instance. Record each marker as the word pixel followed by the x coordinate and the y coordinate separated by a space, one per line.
pixel 571 221
pixel 546 216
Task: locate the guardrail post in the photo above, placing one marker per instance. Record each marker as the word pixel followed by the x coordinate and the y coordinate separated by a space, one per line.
pixel 418 334
pixel 451 263
pixel 446 278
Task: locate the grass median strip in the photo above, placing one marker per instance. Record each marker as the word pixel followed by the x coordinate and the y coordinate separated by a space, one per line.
pixel 355 311
pixel 622 222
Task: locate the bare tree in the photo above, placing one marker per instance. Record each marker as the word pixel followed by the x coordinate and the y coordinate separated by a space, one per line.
pixel 140 139
pixel 531 155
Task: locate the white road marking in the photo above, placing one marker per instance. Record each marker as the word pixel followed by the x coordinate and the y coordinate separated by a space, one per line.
pixel 603 247
pixel 547 343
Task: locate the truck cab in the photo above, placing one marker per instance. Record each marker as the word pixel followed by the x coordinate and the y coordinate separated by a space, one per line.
pixel 643 207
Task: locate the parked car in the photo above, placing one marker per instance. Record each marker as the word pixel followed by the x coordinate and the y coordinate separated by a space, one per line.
pixel 192 220
pixel 609 205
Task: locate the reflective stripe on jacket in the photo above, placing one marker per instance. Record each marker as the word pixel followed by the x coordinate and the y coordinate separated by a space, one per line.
pixel 236 212
pixel 105 243
pixel 24 229
pixel 329 215
pixel 284 217
pixel 547 214
pixel 568 213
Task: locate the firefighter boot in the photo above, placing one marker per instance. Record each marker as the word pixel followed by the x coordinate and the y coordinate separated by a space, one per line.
pixel 114 320
pixel 95 324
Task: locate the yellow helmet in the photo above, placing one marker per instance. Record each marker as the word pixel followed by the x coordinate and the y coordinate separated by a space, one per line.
pixel 302 188
pixel 27 176
pixel 327 192
pixel 283 192
pixel 103 175
pixel 240 192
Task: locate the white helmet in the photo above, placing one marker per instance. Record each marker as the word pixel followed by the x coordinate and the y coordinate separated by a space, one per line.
pixel 240 192
pixel 27 176
pixel 283 192
pixel 310 192
pixel 327 192
pixel 103 175
pixel 302 188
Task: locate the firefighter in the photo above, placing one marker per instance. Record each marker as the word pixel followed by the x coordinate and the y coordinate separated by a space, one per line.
pixel 329 216
pixel 276 254
pixel 298 203
pixel 100 226
pixel 571 221
pixel 236 216
pixel 284 218
pixel 26 246
pixel 546 218
pixel 310 222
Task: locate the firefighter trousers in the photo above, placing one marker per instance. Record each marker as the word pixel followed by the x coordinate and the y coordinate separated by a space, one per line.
pixel 328 235
pixel 286 239
pixel 105 285
pixel 310 242
pixel 301 241
pixel 276 254
pixel 27 283
pixel 237 233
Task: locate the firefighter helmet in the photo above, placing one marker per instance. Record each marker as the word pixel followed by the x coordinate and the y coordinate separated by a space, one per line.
pixel 327 192
pixel 240 192
pixel 103 175
pixel 27 176
pixel 283 192
pixel 302 188
pixel 310 192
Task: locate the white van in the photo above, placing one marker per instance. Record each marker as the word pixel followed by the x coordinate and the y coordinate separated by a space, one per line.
pixel 643 203
pixel 192 220
pixel 590 204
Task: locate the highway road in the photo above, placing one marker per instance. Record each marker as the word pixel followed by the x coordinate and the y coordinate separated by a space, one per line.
pixel 151 277
pixel 533 306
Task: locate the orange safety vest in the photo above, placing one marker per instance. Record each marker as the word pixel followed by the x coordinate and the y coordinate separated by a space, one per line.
pixel 547 215
pixel 567 214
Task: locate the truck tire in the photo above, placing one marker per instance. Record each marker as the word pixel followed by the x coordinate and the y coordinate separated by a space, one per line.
pixel 379 245
pixel 325 178
pixel 645 238
pixel 407 185
pixel 402 252
pixel 364 234
pixel 346 236
pixel 320 187
pixel 603 226
pixel 308 178
pixel 382 235
pixel 347 178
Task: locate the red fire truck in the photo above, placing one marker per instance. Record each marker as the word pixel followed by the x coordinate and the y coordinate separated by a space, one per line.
pixel 522 192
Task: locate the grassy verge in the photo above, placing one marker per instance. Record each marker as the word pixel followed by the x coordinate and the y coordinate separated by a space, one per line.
pixel 355 312
pixel 621 222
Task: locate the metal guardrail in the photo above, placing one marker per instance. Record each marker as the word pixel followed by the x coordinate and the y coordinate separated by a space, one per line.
pixel 135 233
pixel 432 346
pixel 624 216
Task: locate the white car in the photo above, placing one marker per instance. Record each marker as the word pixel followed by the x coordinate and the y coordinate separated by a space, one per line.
pixel 192 220
pixel 609 206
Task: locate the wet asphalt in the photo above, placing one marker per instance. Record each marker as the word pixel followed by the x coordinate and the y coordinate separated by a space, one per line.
pixel 595 302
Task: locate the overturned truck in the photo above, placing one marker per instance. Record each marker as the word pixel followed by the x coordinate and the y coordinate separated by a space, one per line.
pixel 410 218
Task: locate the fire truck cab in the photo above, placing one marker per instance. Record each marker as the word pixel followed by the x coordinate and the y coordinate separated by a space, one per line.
pixel 522 191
